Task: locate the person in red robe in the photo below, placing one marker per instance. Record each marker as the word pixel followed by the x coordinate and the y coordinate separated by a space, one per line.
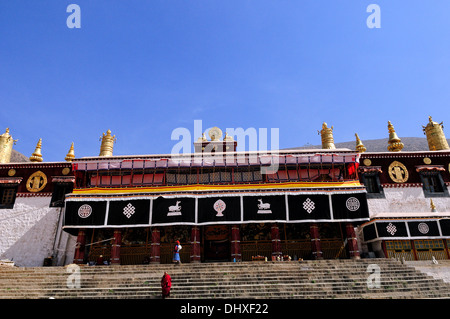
pixel 166 284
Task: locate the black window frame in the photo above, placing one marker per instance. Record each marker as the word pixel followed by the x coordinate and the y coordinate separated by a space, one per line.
pixel 59 194
pixel 3 188
pixel 438 181
pixel 376 181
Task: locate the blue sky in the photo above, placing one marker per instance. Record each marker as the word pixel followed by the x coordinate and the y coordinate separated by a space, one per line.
pixel 143 68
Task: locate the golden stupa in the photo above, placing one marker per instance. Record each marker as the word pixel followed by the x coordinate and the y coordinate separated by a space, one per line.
pixel 37 155
pixel 394 144
pixel 360 148
pixel 71 154
pixel 435 135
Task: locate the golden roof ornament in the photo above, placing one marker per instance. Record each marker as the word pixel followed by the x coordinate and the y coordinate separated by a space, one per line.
pixel 228 138
pixel 37 155
pixel 106 149
pixel 215 134
pixel 432 206
pixel 327 137
pixel 360 148
pixel 71 155
pixel 202 139
pixel 6 146
pixel 394 143
pixel 435 135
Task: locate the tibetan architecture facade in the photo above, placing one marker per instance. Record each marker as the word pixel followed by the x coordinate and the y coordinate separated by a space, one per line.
pixel 225 205
pixel 222 205
pixel 408 198
pixel 32 206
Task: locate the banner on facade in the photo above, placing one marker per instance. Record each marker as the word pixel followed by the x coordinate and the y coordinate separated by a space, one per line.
pixel 227 209
pixel 131 212
pixel 406 229
pixel 91 213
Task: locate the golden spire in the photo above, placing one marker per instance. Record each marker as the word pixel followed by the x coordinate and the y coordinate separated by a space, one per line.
pixel 37 156
pixel 228 138
pixel 435 135
pixel 395 144
pixel 360 148
pixel 71 155
pixel 106 149
pixel 432 206
pixel 327 137
pixel 202 139
pixel 6 145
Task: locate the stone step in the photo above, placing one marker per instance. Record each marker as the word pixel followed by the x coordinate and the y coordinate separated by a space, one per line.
pixel 306 279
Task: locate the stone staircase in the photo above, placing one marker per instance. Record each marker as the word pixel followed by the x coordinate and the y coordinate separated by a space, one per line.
pixel 265 280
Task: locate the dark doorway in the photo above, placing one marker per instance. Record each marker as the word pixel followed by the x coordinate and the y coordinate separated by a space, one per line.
pixel 216 243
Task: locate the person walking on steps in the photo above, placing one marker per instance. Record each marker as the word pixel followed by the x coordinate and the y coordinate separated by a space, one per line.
pixel 166 284
pixel 176 253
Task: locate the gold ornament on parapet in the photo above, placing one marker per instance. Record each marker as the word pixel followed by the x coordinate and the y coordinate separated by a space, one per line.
pixel 326 134
pixel 435 135
pixel 360 148
pixel 36 182
pixel 394 143
pixel 398 172
pixel 108 140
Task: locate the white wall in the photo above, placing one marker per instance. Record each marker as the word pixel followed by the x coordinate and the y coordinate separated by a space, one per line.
pixel 29 232
pixel 407 202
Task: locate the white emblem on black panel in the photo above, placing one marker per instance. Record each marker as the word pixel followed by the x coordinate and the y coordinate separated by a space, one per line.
pixel 391 229
pixel 423 228
pixel 309 205
pixel 352 204
pixel 175 210
pixel 129 210
pixel 85 211
pixel 219 206
pixel 263 208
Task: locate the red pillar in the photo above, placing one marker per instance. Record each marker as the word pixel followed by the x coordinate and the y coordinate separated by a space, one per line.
pixel 352 241
pixel 115 248
pixel 315 241
pixel 155 257
pixel 276 242
pixel 195 245
pixel 236 243
pixel 446 248
pixel 79 250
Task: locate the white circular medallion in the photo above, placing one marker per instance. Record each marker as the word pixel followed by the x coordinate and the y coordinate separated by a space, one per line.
pixel 352 204
pixel 85 211
pixel 423 228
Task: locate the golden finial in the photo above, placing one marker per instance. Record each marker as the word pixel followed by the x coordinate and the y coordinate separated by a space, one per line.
pixel 327 137
pixel 228 138
pixel 435 135
pixel 432 206
pixel 360 148
pixel 394 143
pixel 202 139
pixel 6 145
pixel 106 149
pixel 37 156
pixel 71 155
